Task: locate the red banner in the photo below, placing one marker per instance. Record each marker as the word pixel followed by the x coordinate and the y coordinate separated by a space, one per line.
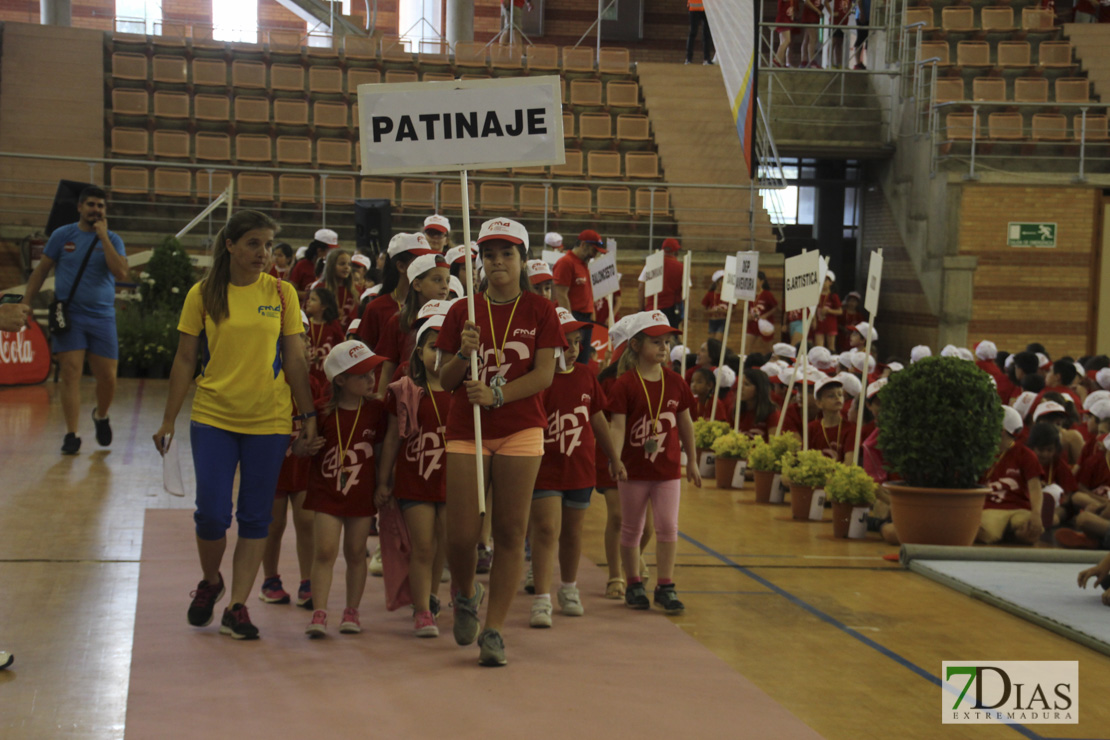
pixel 24 356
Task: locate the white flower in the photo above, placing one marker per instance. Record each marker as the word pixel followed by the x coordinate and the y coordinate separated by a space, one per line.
pixel 175 289
pixel 144 275
pixel 137 297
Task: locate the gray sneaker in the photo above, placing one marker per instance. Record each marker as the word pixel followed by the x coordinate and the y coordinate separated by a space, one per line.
pixel 570 601
pixel 541 613
pixel 529 581
pixel 466 625
pixel 493 648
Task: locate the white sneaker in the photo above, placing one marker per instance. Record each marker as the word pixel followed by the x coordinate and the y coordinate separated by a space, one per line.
pixel 541 613
pixel 570 602
pixel 6 659
pixel 375 566
pixel 445 577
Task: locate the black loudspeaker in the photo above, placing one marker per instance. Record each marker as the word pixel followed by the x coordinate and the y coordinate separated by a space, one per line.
pixel 373 224
pixel 64 210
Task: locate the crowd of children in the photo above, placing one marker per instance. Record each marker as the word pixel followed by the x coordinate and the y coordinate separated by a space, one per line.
pixel 390 369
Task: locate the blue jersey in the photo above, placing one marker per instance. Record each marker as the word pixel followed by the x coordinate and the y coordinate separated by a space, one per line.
pixel 96 293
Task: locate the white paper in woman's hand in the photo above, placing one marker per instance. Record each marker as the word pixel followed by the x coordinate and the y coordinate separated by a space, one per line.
pixel 171 470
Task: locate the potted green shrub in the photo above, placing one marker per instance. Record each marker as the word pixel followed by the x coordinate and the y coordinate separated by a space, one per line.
pixel 705 434
pixel 806 472
pixel 765 460
pixel 730 452
pixel 852 492
pixel 938 431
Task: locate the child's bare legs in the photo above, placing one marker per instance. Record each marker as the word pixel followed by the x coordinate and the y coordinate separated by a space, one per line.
pixel 784 47
pixel 613 531
pixel 421 523
pixel 1092 524
pixel 1086 501
pixel 302 527
pixel 486 538
pixel 811 53
pixel 547 520
pixel 356 530
pixel 272 553
pixel 441 549
pixel 819 340
pixel 326 530
pixel 830 342
pixel 464 523
pixel 570 543
pixel 513 478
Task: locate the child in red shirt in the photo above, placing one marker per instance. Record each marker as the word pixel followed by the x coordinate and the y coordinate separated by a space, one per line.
pixel 1093 519
pixel 715 309
pixel 829 432
pixel 341 480
pixel 428 277
pixel 828 314
pixel 1013 507
pixel 651 416
pixel 413 471
pixel 575 407
pixel 324 330
pixel 758 415
pixel 701 385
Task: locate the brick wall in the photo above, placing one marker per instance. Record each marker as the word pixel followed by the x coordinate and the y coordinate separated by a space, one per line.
pixel 271 14
pixel 1024 295
pixel 904 318
pixel 189 11
pixel 97 14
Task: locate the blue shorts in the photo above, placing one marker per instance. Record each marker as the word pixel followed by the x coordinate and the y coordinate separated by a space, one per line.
pixel 795 328
pixel 716 326
pixel 93 334
pixel 575 498
pixel 408 503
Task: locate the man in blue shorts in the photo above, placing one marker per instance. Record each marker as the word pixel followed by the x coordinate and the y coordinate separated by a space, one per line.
pixel 91 310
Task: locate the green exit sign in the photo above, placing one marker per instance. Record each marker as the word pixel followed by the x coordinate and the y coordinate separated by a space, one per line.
pixel 1031 235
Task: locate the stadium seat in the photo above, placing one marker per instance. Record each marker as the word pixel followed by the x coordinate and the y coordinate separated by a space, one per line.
pixel 958 126
pixel 920 15
pixel 127 66
pixel 174 105
pixel 471 55
pixel 250 75
pixel 595 126
pixel 957 18
pixel 287 77
pixel 497 196
pixel 325 80
pixel 254 186
pixel 613 61
pixel 209 72
pixel 578 59
pixel 570 128
pixel 360 49
pixel 129 101
pixel 572 167
pixel 417 193
pixel 171 70
pixel 211 107
pixel 585 93
pixel 337 189
pixel 614 200
pixel 251 109
pixel 647 203
pixel 1014 54
pixel 1073 90
pixel 328 114
pixel 997 18
pixel 130 181
pixel 536 199
pixel 949 89
pixel 450 195
pixel 357 76
pixel 437 77
pixel 333 153
pixel 542 58
pixel 622 94
pixel 285 44
pixel 633 127
pixel 973 54
pixel 212 146
pixel 1054 54
pixel 401 75
pixel 173 183
pixel 212 183
pixel 381 189
pixel 1094 128
pixel 294 150
pixel 291 112
pixel 396 51
pixel 132 142
pixel 171 144
pixel 1050 127
pixel 991 89
pixel 536 171
pixel 934 50
pixel 1030 90
pixel 1037 19
pixel 296 189
pixel 1006 126
pixel 253 148
pixel 641 164
pixel 507 60
pixel 575 199
pixel 604 165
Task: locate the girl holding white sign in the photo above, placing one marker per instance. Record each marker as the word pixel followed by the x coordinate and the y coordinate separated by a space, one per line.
pixel 517 336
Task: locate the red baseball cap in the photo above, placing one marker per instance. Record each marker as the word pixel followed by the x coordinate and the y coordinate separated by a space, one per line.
pixel 589 236
pixel 671 245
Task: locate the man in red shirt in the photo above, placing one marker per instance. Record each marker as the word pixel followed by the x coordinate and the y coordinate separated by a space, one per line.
pixel 669 300
pixel 574 290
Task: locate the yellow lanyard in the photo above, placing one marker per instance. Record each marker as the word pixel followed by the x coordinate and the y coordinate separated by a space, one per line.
pixel 828 445
pixel 339 433
pixel 314 335
pixel 655 425
pixel 439 420
pixel 499 352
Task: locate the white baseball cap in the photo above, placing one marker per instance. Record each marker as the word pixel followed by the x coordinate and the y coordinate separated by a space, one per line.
pixel 824 382
pixel 652 323
pixel 437 223
pixel 1094 397
pixel 950 350
pixel 1048 407
pixel 830 275
pixel 726 375
pixel 845 358
pixel 568 322
pixel 895 367
pixel 456 287
pixel 361 259
pixel 504 228
pixel 433 322
pixel 965 354
pixel 553 239
pixel 1009 361
pixel 370 292
pixel 782 349
pixel 718 275
pixel 327 236
pixel 1101 409
pixel 677 352
pixel 772 369
pixel 766 328
pixel 1043 361
pixel 858 360
pixel 539 272
pixel 434 308
pixel 353 328
pixel 300 253
pixel 456 255
pixel 863 328
pixel 401 243
pixel 1012 420
pixel 1102 377
pixel 1024 402
pixel 619 332
pixel 821 358
pixel 873 388
pixel 986 350
pixel 850 383
pixel 919 353
pixel 424 263
pixel 352 357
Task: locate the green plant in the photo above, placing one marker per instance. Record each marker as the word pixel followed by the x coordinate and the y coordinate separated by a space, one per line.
pixel 808 468
pixel 940 423
pixel 146 337
pixel 706 432
pixel 850 484
pixel 732 445
pixel 167 277
pixel 767 456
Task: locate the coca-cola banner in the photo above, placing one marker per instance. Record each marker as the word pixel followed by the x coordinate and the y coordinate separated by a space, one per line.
pixel 24 356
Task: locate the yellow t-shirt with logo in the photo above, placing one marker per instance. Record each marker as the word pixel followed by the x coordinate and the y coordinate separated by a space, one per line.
pixel 241 387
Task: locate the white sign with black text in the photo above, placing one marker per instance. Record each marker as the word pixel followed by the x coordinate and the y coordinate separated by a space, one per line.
pixel 874 281
pixel 604 276
pixel 747 275
pixel 802 280
pixel 728 283
pixel 652 276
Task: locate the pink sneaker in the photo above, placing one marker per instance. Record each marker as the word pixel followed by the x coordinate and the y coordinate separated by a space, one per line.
pixel 424 625
pixel 319 624
pixel 350 624
pixel 272 591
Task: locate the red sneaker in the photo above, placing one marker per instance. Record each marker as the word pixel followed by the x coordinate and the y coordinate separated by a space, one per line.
pixel 350 624
pixel 1076 540
pixel 318 627
pixel 272 591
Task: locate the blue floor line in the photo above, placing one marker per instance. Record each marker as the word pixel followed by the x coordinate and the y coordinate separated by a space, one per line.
pixel 1022 729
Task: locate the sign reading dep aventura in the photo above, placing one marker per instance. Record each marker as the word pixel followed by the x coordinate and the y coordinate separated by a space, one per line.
pixel 477 124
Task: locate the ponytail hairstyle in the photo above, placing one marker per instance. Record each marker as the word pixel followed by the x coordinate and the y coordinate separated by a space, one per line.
pixel 331 307
pixel 391 275
pixel 411 307
pixel 631 354
pixel 332 280
pixel 213 288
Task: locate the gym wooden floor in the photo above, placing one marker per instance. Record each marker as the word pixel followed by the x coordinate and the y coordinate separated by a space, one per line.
pixel 850 643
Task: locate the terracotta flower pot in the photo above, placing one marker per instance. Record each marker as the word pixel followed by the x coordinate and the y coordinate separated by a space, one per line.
pixel 842 518
pixel 725 469
pixel 936 516
pixel 763 481
pixel 801 500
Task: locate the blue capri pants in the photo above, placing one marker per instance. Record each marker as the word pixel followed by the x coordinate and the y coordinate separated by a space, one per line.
pixel 216 455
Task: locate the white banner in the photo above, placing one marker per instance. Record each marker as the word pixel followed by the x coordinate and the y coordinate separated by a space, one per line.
pixel 874 280
pixel 728 284
pixel 604 276
pixel 802 279
pixel 747 275
pixel 551 256
pixel 734 36
pixel 477 124
pixel 652 276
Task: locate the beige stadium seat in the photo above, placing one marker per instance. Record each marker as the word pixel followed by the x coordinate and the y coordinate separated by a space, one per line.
pixel 170 104
pixel 401 75
pixel 328 80
pixel 127 66
pixel 595 126
pixel 959 126
pixel 296 189
pixel 212 146
pixel 604 165
pixel 417 193
pixel 569 127
pixel 381 189
pixel 934 50
pixel 614 61
pixel 1014 54
pixel 130 181
pixel 171 144
pixel 252 186
pixel 950 89
pixel 396 50
pixel 646 203
pixel 1006 126
pixel 450 195
pixel 988 89
pixel 290 112
pixel 542 58
pixel 585 93
pixel 251 75
pixel 622 94
pixel 284 42
pixel 294 150
pixel 973 54
pixel 1095 128
pixel 920 15
pixel 129 101
pixel 253 148
pixel 210 72
pixel 1030 90
pixel 438 77
pixel 287 77
pixel 328 54
pixel 614 200
pixel 329 114
pixel 578 59
pixel 173 183
pixel 1050 127
pixel 496 196
pixel 641 164
pixel 336 189
pixel 211 107
pixel 1037 19
pixel 359 49
pixel 575 199
pixel 357 76
pixel 1054 54
pixel 536 199
pixel 507 59
pixel 250 109
pixel 633 127
pixel 132 142
pixel 957 18
pixel 333 152
pixel 172 70
pixel 573 167
pixel 536 171
pixel 997 18
pixel 213 185
pixel 1073 90
pixel 471 55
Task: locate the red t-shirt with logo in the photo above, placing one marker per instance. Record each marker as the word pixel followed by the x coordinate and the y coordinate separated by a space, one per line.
pixel 374 319
pixel 628 397
pixel 832 441
pixel 1009 478
pixel 535 326
pixel 569 444
pixel 421 470
pixel 361 429
pixel 393 344
pixel 764 303
pixel 321 338
pixel 571 272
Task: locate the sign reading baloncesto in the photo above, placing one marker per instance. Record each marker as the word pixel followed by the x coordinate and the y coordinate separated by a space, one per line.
pixel 477 124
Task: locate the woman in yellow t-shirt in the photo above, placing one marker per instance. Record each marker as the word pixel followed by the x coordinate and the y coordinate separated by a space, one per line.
pixel 245 327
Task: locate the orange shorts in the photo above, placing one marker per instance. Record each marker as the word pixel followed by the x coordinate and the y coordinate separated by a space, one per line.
pixel 525 443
